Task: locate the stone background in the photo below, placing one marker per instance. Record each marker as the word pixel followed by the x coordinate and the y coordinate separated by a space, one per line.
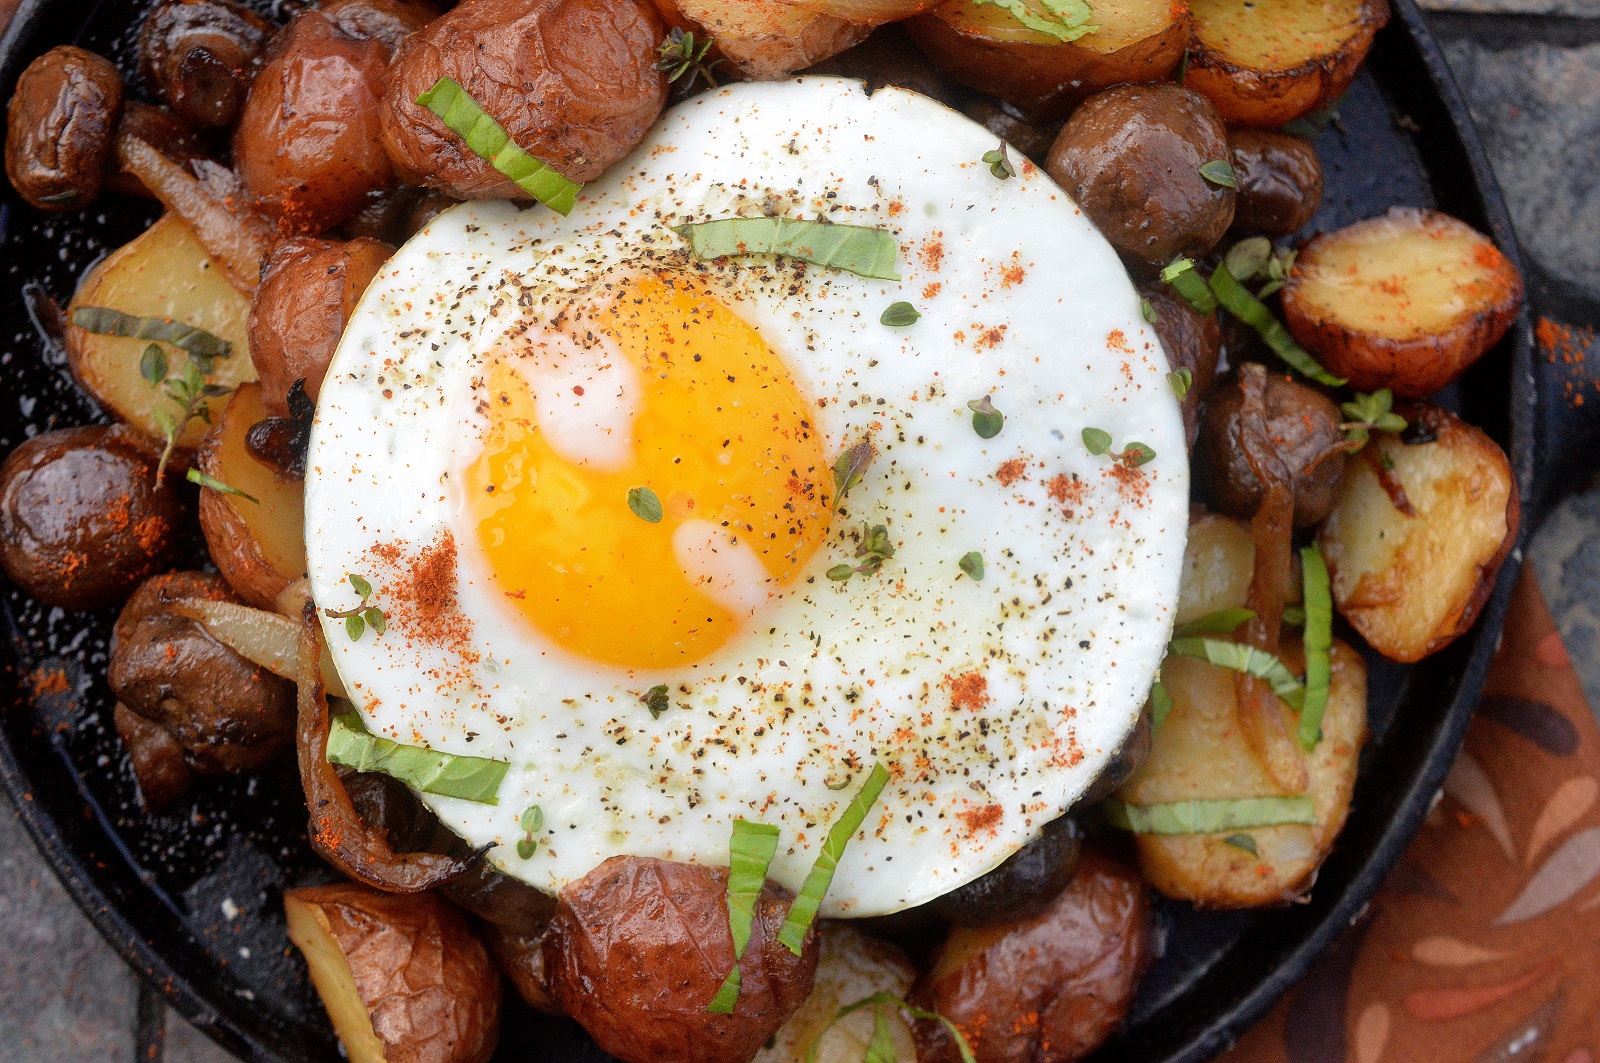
pixel 1531 72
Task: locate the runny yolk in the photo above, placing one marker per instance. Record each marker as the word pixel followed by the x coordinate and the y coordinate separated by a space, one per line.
pixel 664 388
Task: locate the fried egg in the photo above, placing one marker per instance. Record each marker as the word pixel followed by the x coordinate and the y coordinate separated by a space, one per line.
pixel 590 479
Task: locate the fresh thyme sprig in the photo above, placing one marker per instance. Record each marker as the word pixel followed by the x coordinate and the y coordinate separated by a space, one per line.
pixel 873 550
pixel 681 54
pixel 364 615
pixel 192 391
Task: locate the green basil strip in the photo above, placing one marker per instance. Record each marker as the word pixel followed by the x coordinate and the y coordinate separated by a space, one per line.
pixel 1160 703
pixel 1220 622
pixel 447 774
pixel 1187 282
pixel 879 1000
pixel 464 117
pixel 1318 642
pixel 1201 816
pixel 858 249
pixel 1253 312
pixel 104 321
pixel 804 909
pixel 881 1048
pixel 1247 659
pixel 1069 19
pixel 752 849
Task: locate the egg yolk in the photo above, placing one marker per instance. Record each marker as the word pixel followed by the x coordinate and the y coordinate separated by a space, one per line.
pixel 665 389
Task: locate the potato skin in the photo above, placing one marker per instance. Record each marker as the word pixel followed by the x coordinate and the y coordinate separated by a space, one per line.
pixel 427 981
pixel 82 522
pixel 308 289
pixel 1131 157
pixel 59 128
pixel 308 145
pixel 1046 990
pixel 573 82
pixel 640 946
pixel 1280 181
pixel 388 21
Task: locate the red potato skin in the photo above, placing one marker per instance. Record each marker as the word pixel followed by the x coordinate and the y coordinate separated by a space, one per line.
pixel 572 82
pixel 1048 989
pixel 640 946
pixel 308 146
pixel 308 289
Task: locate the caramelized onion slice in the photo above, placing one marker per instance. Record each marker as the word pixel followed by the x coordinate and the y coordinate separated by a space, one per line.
pixel 338 833
pixel 267 639
pixel 1261 714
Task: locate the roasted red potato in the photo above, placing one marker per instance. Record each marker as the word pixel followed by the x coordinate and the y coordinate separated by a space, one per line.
pixel 402 976
pixel 1131 157
pixel 851 966
pixel 640 946
pixel 388 21
pixel 1280 180
pixel 1413 556
pixel 60 128
pixel 308 289
pixel 572 82
pixel 308 144
pixel 82 521
pixel 767 40
pixel 984 47
pixel 1053 987
pixel 257 543
pixel 164 273
pixel 1268 64
pixel 1406 301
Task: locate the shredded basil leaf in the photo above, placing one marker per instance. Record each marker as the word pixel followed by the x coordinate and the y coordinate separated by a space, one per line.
pixel 1318 644
pixel 1067 20
pixel 1187 282
pixel 751 852
pixel 878 1000
pixel 1160 703
pixel 466 118
pixel 1294 615
pixel 1201 816
pixel 447 774
pixel 104 321
pixel 1247 659
pixel 1220 622
pixel 804 909
pixel 858 249
pixel 1253 312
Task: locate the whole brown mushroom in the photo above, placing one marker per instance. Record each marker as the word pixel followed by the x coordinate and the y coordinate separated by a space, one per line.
pixel 228 714
pixel 200 56
pixel 82 521
pixel 1192 341
pixel 60 126
pixel 573 82
pixel 1023 885
pixel 1132 155
pixel 159 767
pixel 1280 180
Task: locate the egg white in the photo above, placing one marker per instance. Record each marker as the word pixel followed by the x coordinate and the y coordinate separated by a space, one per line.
pixel 1067 627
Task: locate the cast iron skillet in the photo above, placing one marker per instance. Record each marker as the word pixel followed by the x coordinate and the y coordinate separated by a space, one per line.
pixel 192 901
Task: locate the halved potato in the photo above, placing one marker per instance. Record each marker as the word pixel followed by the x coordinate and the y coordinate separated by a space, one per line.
pixel 1406 301
pixel 1412 584
pixel 851 966
pixel 1265 64
pixel 768 40
pixel 984 47
pixel 402 976
pixel 1199 751
pixel 165 273
pixel 259 546
pixel 1218 563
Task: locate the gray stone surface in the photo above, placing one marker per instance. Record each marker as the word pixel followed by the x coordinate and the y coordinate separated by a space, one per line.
pixel 1576 8
pixel 1537 107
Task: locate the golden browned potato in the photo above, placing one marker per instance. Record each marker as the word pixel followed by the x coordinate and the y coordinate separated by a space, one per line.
pixel 59 128
pixel 1406 301
pixel 767 40
pixel 984 47
pixel 1200 752
pixel 164 272
pixel 1267 64
pixel 639 947
pixel 258 546
pixel 1218 561
pixel 851 966
pixel 402 976
pixel 1131 157
pixel 1280 180
pixel 1411 583
pixel 308 145
pixel 1050 988
pixel 572 82
pixel 308 289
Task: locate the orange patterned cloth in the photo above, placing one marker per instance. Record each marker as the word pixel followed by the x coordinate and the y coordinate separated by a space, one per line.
pixel 1484 944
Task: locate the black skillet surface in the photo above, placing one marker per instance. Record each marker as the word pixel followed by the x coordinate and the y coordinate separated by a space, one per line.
pixel 192 900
